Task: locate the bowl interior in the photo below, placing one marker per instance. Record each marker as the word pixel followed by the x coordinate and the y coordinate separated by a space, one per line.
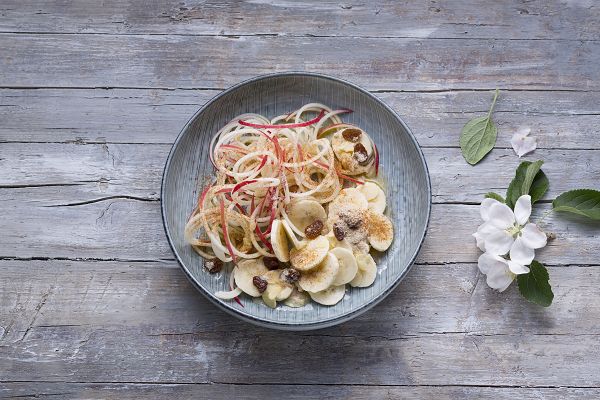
pixel 401 165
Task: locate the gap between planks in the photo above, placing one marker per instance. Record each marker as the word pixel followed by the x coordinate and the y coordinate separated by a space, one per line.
pixel 291 35
pixel 173 260
pixel 166 383
pixel 93 142
pixel 208 88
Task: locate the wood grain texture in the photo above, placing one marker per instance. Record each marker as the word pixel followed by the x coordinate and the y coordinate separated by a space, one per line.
pixel 174 335
pixel 127 228
pixel 574 20
pixel 117 72
pixel 156 297
pixel 559 120
pixel 135 170
pixel 214 62
pixel 218 391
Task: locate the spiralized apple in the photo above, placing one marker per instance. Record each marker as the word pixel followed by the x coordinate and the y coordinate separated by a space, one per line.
pixel 261 165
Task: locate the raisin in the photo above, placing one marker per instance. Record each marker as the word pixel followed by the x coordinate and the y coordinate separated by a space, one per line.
pixel 260 283
pixel 360 154
pixel 271 263
pixel 338 232
pixel 352 135
pixel 314 230
pixel 213 266
pixel 290 275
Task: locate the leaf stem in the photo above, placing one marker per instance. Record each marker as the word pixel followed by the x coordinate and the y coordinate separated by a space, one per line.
pixel 544 215
pixel 493 103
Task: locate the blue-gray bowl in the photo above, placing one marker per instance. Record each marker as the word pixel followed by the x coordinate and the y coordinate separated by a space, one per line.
pixel 402 163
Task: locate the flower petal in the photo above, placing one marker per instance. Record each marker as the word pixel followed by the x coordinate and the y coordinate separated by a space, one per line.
pixel 500 280
pixel 488 262
pixel 521 253
pixel 501 216
pixel 517 268
pixel 523 209
pixel 522 132
pixel 482 233
pixel 484 209
pixel 522 144
pixel 498 275
pixel 533 236
pixel 498 242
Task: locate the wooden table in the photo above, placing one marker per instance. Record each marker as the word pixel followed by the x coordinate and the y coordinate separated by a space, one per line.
pixel 92 96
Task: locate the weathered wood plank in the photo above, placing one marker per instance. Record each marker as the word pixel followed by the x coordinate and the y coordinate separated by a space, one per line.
pixel 125 228
pixel 136 170
pixel 510 19
pixel 214 62
pixel 79 354
pixel 218 391
pixel 157 299
pixel 557 119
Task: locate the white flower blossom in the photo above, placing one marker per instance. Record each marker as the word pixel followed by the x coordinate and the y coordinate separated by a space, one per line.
pixel 505 232
pixel 521 143
pixel 499 272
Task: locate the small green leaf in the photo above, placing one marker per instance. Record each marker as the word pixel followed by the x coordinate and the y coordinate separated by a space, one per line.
pixel 534 286
pixel 478 136
pixel 539 186
pixel 529 179
pixel 495 196
pixel 584 202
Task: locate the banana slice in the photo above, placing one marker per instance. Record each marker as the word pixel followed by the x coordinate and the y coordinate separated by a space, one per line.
pixel 330 296
pixel 348 266
pixel 333 242
pixel 304 212
pixel 297 299
pixel 381 231
pixel 310 255
pixel 348 199
pixel 279 241
pixel 341 145
pixel 369 189
pixel 277 289
pixel 374 195
pixel 291 235
pixel 268 301
pixel 367 271
pixel 344 152
pixel 321 277
pixel 245 271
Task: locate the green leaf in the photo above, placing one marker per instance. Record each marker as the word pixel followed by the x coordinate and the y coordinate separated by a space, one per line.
pixel 539 186
pixel 534 286
pixel 584 202
pixel 495 196
pixel 478 136
pixel 529 179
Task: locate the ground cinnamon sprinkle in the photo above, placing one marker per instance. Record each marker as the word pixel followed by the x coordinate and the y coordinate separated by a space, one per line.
pixel 351 224
pixel 301 258
pixel 380 227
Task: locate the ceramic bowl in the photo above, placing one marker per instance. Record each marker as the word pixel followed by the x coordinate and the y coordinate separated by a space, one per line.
pixel 402 164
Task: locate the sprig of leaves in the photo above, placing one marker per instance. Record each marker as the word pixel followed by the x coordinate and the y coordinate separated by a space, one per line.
pixel 535 285
pixel 478 136
pixel 584 202
pixel 529 179
pixel 495 196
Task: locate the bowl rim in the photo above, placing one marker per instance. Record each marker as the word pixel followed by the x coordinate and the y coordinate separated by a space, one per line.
pixel 286 325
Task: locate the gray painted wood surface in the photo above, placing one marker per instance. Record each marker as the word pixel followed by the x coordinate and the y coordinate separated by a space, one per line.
pixel 92 304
